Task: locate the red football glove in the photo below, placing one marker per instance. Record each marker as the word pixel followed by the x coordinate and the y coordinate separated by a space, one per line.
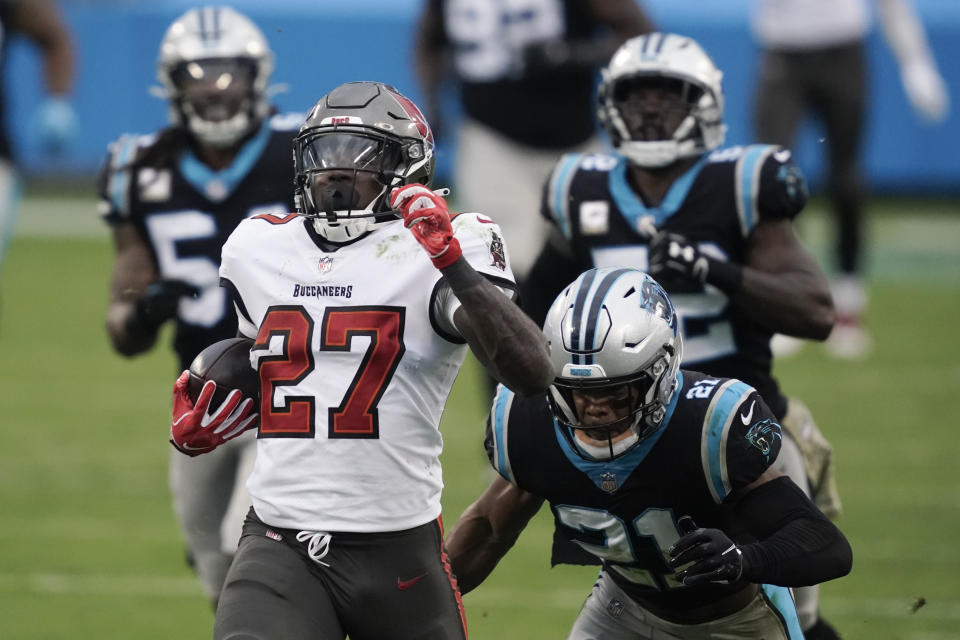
pixel 195 430
pixel 426 215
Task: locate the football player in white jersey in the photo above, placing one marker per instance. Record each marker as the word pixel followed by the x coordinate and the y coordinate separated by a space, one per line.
pixel 359 336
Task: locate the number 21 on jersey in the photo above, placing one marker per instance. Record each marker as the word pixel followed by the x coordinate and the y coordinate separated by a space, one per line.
pixel 286 334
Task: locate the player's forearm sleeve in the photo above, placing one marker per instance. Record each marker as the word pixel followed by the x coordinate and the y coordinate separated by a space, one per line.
pixel 797 545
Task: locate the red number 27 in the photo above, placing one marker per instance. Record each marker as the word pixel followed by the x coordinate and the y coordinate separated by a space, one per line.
pixel 357 415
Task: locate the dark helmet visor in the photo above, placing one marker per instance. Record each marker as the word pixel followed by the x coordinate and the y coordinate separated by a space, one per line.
pixel 348 151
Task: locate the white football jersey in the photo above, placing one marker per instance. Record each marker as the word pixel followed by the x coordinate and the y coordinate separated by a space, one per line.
pixel 355 367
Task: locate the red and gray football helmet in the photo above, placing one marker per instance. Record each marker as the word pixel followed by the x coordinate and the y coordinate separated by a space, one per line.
pixel 359 127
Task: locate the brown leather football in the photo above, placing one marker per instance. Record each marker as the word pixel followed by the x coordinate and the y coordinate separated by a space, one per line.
pixel 227 363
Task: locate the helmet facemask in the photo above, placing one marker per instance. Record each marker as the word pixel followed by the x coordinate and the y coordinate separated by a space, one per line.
pixel 633 406
pixel 659 120
pixel 344 177
pixel 216 98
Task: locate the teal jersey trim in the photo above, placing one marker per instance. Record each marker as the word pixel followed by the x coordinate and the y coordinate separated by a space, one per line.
pixel 559 203
pixel 203 177
pixel 781 599
pixel 748 176
pixel 501 414
pixel 603 473
pixel 632 207
pixel 717 427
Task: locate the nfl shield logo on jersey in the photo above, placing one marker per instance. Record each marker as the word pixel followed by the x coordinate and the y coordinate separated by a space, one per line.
pixel 608 482
pixel 325 264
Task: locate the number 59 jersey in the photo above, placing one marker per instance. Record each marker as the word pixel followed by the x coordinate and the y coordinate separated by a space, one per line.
pixel 357 354
pixel 717 437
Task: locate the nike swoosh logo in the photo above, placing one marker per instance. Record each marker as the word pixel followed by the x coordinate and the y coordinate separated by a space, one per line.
pixel 746 419
pixel 403 585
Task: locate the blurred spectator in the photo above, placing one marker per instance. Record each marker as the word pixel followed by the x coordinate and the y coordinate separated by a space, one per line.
pixel 55 121
pixel 526 75
pixel 814 62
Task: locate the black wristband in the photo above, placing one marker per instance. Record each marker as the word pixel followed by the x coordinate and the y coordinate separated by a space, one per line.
pixel 461 276
pixel 726 276
pixel 138 323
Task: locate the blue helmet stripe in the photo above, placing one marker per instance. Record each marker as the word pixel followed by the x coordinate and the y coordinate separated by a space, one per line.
pixel 577 313
pixel 202 18
pixel 593 316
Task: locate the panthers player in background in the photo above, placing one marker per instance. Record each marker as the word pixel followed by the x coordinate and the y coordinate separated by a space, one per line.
pixel 40 21
pixel 359 336
pixel 172 198
pixel 661 473
pixel 713 225
pixel 525 76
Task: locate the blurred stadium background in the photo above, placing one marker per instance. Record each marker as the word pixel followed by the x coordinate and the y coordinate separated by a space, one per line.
pixel 88 544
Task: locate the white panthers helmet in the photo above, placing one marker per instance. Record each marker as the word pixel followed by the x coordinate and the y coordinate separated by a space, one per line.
pixel 659 57
pixel 214 65
pixel 613 326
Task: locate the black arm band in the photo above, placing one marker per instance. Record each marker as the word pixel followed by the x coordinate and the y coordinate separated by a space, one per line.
pixel 797 545
pixel 461 276
pixel 726 276
pixel 138 325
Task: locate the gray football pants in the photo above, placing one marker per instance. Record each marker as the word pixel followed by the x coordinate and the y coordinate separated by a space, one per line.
pixel 210 500
pixel 610 614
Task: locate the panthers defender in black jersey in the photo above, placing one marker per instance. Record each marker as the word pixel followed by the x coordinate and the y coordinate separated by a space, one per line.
pixel 661 474
pixel 172 199
pixel 713 225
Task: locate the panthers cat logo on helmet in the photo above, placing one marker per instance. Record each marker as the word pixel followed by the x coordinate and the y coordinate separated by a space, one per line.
pixel 611 327
pixel 214 64
pixel 664 58
pixel 361 127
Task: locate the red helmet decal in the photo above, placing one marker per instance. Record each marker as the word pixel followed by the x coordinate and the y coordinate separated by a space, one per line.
pixel 414 114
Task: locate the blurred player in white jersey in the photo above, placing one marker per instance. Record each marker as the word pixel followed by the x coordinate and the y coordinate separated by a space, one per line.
pixel 359 336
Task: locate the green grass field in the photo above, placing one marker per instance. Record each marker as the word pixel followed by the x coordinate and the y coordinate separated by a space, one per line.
pixel 88 543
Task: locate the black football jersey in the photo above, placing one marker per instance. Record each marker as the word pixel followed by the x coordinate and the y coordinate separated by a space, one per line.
pixel 716 437
pixel 715 205
pixel 185 212
pixel 547 109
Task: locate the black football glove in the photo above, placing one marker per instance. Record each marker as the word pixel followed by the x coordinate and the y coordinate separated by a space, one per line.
pixel 158 302
pixel 715 556
pixel 677 264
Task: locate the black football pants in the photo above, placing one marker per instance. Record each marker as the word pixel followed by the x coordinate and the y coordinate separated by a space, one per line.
pixel 830 85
